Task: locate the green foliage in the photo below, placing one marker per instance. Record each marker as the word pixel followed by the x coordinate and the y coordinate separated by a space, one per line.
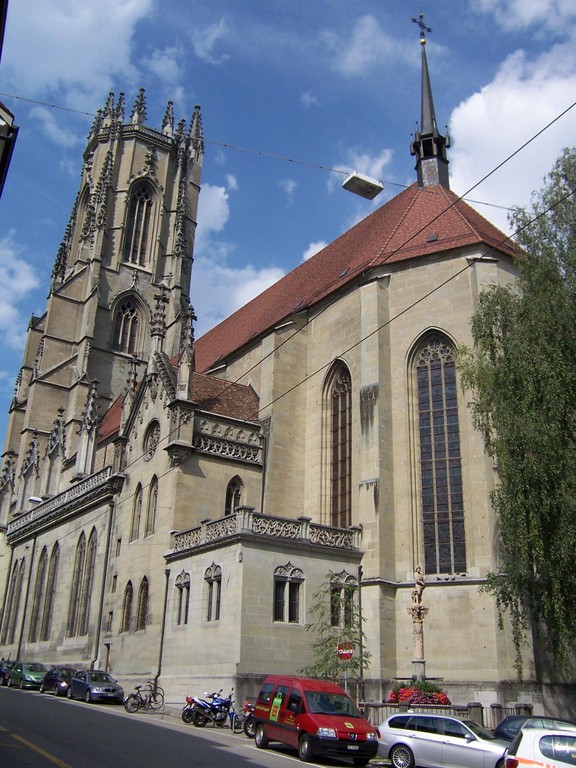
pixel 522 372
pixel 336 599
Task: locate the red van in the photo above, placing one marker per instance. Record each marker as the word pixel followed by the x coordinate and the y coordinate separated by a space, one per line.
pixel 314 716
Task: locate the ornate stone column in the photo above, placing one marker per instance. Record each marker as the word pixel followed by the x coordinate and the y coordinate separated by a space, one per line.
pixel 418 613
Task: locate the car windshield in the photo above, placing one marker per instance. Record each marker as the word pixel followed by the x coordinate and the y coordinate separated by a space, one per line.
pixel 477 730
pixel 331 704
pixel 100 677
pixel 35 667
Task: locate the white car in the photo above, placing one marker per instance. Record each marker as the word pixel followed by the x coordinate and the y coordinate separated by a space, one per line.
pixel 436 741
pixel 543 747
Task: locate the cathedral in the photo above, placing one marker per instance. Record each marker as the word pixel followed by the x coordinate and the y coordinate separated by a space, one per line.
pixel 171 506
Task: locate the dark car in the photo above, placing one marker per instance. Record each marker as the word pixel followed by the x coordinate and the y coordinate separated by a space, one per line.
pixel 510 725
pixel 95 685
pixel 57 680
pixel 5 669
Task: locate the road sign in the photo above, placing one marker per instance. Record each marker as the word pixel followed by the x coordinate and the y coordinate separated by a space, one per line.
pixel 345 651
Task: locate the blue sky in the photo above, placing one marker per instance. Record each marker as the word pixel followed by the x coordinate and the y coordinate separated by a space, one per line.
pixel 294 94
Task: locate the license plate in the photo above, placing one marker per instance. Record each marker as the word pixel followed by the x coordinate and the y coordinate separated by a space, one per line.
pixel 353 746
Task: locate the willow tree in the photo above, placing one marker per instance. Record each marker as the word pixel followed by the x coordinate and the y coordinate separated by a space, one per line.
pixel 522 373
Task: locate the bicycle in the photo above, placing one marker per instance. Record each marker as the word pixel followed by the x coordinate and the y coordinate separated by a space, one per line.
pixel 145 697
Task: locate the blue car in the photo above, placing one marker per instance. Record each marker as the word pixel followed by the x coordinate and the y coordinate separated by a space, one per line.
pixel 95 685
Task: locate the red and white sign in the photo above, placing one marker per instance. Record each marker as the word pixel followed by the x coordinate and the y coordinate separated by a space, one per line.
pixel 345 651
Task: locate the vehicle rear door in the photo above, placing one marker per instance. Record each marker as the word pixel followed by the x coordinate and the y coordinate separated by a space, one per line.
pixel 460 748
pixel 427 738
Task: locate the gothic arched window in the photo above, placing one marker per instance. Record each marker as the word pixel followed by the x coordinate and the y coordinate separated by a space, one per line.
pixel 440 458
pixel 38 596
pixel 233 495
pixel 138 225
pixel 287 587
pixel 136 513
pixel 343 588
pixel 152 507
pixel 13 603
pixel 142 614
pixel 73 610
pixel 339 412
pixel 127 608
pixel 126 322
pixel 213 581
pixel 183 604
pixel 50 592
pixel 87 585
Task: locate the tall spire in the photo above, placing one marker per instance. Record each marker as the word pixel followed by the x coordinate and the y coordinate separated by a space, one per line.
pixel 429 145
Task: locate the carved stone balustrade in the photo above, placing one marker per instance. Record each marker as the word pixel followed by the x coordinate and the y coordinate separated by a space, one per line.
pixel 245 521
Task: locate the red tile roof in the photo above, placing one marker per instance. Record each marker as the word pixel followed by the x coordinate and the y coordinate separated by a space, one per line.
pixel 418 222
pixel 210 394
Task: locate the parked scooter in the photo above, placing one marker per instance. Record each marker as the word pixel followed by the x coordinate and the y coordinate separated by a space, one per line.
pixel 200 711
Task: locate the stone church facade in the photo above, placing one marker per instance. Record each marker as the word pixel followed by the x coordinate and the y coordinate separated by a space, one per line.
pixel 170 506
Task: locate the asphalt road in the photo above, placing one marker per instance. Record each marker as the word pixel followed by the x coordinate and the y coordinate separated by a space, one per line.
pixel 41 731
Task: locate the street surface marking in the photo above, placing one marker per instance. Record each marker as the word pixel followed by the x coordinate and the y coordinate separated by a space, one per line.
pixel 47 755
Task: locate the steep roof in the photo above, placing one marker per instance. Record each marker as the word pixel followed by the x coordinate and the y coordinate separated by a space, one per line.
pixel 420 221
pixel 210 394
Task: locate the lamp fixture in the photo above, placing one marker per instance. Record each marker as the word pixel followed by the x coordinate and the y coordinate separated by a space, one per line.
pixel 362 185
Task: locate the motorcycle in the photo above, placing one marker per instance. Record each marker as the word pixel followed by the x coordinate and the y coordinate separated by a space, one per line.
pixel 200 711
pixel 249 724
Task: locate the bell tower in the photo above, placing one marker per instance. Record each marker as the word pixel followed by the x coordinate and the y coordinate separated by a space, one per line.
pixel 130 238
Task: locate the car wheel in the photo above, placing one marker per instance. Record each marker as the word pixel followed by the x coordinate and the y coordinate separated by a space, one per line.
pixel 69 693
pixel 88 697
pixel 260 738
pixel 305 748
pixel 401 756
pixel 56 690
pixel 21 685
pixel 42 689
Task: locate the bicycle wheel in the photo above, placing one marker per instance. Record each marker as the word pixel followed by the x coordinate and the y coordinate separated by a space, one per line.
pixel 132 703
pixel 155 700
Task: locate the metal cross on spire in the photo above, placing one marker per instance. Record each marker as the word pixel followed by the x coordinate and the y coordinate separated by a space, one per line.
pixel 423 27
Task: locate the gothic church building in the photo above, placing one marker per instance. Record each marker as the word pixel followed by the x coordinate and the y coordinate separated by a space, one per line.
pixel 171 506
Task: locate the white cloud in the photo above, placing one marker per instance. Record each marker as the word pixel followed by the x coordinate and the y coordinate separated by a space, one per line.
pixel 78 46
pixel 366 46
pixel 165 64
pixel 219 290
pixel 308 100
pixel 288 186
pixel 17 278
pixel 205 41
pixel 313 249
pixel 520 14
pixel 53 130
pixel 213 213
pixel 490 125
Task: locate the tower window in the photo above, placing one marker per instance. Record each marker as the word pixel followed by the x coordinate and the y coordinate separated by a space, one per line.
pixel 138 227
pixel 126 328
